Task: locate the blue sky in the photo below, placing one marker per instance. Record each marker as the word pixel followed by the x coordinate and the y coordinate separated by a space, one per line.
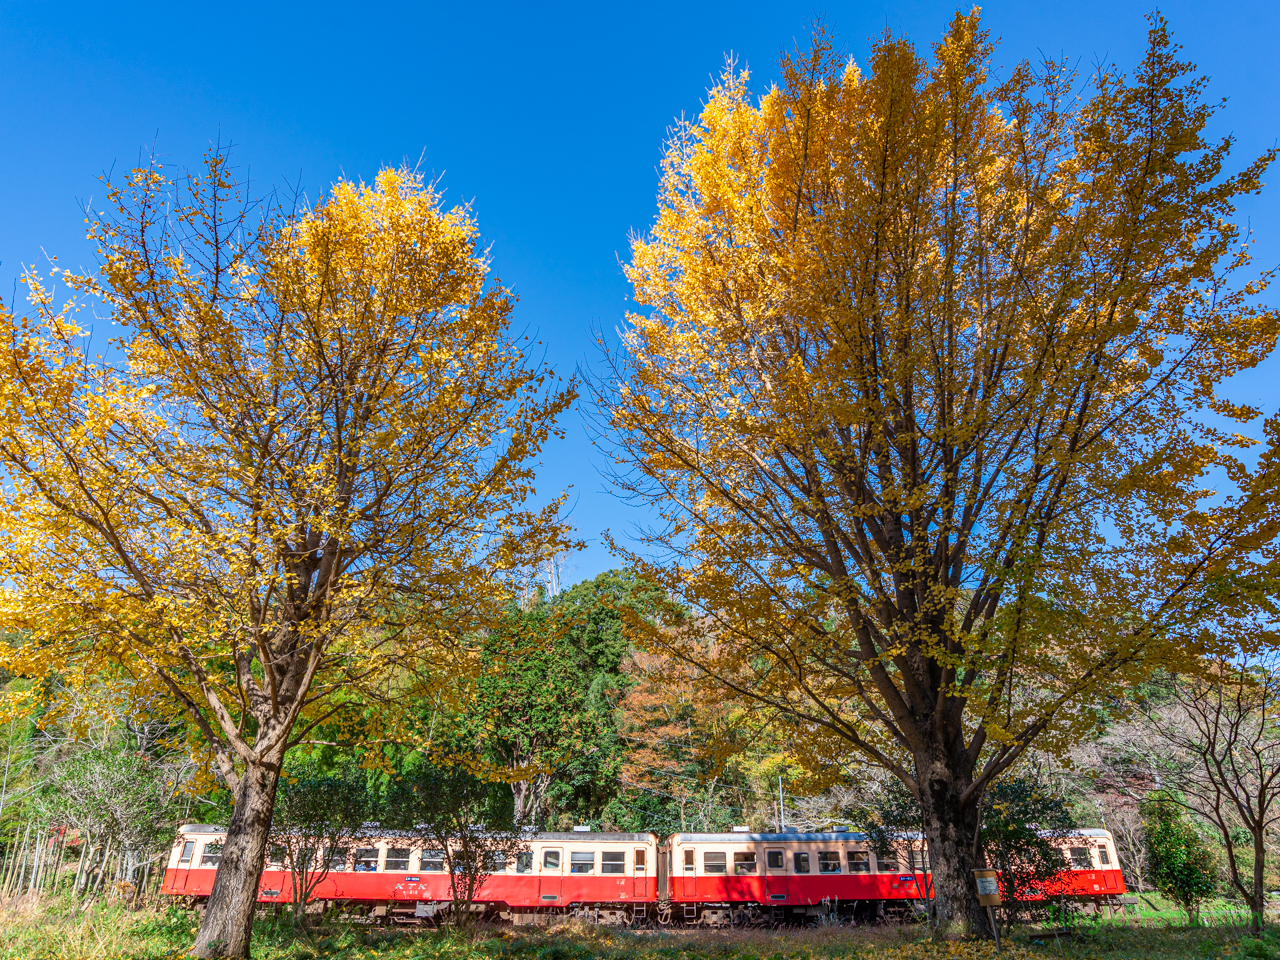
pixel 550 119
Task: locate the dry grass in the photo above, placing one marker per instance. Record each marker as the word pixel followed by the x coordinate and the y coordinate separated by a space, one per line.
pixel 51 930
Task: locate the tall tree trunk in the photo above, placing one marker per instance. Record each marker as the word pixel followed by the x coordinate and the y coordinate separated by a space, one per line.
pixel 227 926
pixel 1259 899
pixel 951 829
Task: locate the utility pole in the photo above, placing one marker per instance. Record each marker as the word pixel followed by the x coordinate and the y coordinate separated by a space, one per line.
pixel 782 812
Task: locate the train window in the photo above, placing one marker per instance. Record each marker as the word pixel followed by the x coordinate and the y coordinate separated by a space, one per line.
pixel 398 859
pixel 886 866
pixel 275 856
pixel 744 862
pixel 859 861
pixel 582 861
pixel 917 860
pixel 432 861
pixel 801 861
pixel 774 860
pixel 337 859
pixel 1080 858
pixel 367 860
pixel 524 861
pixel 188 849
pixel 829 861
pixel 496 861
pixel 1104 856
pixel 613 861
pixel 688 860
pixel 713 862
pixel 640 859
pixel 551 859
pixel 212 855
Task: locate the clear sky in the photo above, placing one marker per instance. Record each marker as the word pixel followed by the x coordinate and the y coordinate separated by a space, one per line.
pixel 549 118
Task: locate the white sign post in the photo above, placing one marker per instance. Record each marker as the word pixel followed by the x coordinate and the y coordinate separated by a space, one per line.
pixel 989 896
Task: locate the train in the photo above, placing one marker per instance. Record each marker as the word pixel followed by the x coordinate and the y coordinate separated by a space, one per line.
pixel 705 879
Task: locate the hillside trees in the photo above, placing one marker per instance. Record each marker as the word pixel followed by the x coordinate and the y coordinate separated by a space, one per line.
pixel 1214 740
pixel 318 815
pixel 921 397
pixel 462 822
pixel 542 706
pixel 304 466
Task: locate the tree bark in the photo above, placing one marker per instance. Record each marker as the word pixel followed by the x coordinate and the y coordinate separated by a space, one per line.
pixel 951 828
pixel 528 796
pixel 227 926
pixel 1258 900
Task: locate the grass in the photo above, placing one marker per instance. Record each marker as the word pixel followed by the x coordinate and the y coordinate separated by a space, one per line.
pixel 51 930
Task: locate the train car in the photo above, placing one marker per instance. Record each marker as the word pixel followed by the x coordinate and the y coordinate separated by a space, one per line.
pixel 609 877
pixel 1090 867
pixel 709 878
pixel 742 877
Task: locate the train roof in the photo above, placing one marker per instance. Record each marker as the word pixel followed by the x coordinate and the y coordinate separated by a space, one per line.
pixel 833 837
pixel 376 831
pixel 1086 832
pixel 605 837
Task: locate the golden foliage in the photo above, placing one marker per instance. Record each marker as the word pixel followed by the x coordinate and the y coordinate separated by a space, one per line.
pixel 922 395
pixel 301 471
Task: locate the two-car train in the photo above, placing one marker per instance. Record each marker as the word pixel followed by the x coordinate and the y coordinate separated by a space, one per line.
pixel 689 878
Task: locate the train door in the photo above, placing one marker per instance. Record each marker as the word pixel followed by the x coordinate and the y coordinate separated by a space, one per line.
pixel 551 875
pixel 688 876
pixel 639 872
pixel 775 874
pixel 184 865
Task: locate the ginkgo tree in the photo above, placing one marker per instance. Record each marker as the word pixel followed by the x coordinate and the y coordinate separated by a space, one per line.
pixel 922 394
pixel 301 471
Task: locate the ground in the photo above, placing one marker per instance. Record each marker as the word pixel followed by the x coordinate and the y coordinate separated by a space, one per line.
pixel 50 931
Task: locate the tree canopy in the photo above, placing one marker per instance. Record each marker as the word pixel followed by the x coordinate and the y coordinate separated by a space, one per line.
pixel 922 393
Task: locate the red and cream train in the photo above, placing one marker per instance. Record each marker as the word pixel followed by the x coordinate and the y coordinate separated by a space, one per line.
pixel 704 878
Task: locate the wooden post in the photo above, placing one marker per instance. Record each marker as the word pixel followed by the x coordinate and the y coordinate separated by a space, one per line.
pixel 989 896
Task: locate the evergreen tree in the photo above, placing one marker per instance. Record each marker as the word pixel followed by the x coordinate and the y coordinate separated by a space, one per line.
pixel 1181 864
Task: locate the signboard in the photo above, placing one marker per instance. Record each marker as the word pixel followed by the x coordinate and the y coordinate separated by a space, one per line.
pixel 988 888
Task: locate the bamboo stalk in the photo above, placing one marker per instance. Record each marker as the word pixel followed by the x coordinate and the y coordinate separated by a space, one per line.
pixel 24 869
pixel 84 848
pixel 82 881
pixel 56 861
pixel 18 847
pixel 20 864
pixel 102 873
pixel 37 861
pixel 10 852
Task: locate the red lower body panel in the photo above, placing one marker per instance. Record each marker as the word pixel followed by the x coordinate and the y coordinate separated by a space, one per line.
pixel 514 890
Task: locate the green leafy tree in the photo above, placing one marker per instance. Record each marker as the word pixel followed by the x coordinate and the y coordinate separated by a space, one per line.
pixel 317 816
pixel 468 820
pixel 1021 820
pixel 1181 864
pixel 546 697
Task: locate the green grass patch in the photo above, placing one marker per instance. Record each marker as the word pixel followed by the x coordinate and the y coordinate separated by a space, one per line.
pixel 52 930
